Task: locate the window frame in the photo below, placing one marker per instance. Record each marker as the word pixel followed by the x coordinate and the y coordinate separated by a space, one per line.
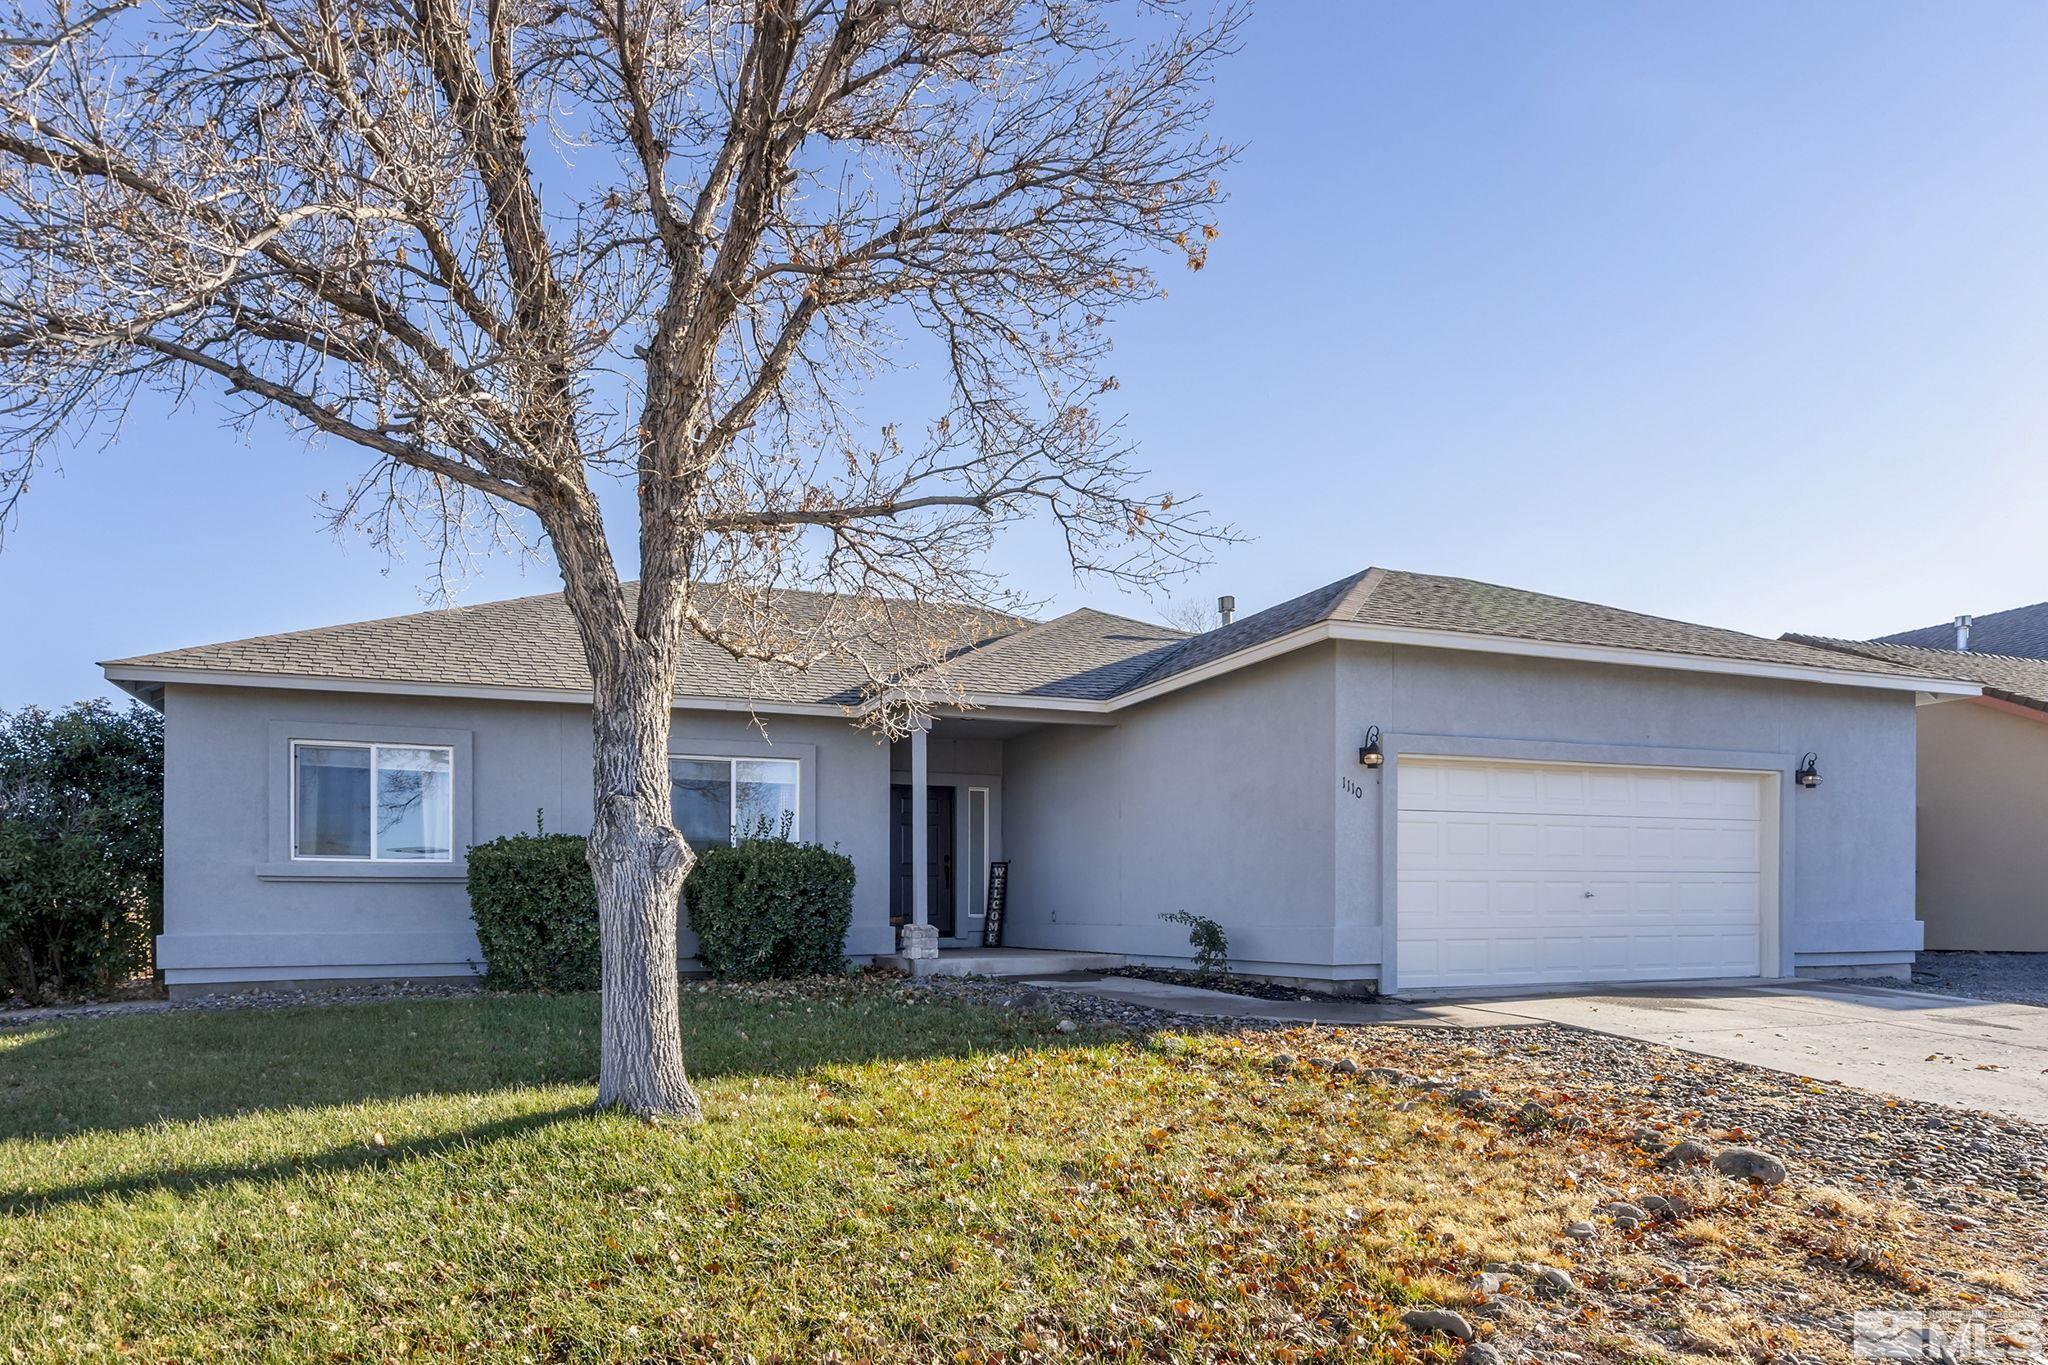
pixel 732 787
pixel 292 767
pixel 977 891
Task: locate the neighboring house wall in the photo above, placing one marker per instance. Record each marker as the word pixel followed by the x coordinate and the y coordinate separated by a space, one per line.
pixel 1983 828
pixel 237 908
pixel 1215 799
pixel 1242 799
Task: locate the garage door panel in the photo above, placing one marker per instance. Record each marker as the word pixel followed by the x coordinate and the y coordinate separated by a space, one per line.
pixel 1554 873
pixel 1578 790
pixel 1501 843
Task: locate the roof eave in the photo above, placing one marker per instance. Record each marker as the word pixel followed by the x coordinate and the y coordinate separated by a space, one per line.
pixel 130 678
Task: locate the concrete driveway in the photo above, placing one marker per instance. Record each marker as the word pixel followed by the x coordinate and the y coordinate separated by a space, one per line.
pixel 1941 1048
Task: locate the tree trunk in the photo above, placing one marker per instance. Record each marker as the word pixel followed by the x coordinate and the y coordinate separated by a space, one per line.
pixel 639 862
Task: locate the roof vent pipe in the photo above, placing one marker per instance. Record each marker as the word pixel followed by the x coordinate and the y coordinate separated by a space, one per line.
pixel 1963 634
pixel 1226 610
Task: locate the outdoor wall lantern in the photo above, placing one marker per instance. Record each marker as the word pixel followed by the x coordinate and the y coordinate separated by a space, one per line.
pixel 1809 773
pixel 1370 756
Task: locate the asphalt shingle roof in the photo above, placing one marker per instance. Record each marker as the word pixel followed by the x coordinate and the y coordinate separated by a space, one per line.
pixel 1413 601
pixel 1085 655
pixel 530 643
pixel 2021 632
pixel 2018 680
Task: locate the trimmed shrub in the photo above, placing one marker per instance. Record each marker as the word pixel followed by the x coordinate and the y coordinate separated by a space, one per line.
pixel 536 913
pixel 770 907
pixel 81 847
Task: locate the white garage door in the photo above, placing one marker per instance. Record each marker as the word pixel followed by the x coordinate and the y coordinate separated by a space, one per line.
pixel 1539 873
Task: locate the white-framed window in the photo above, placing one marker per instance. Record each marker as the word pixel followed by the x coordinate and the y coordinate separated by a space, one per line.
pixel 375 803
pixel 722 800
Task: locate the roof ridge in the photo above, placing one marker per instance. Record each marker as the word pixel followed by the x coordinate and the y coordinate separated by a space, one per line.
pixel 1029 631
pixel 1839 644
pixel 1163 666
pixel 1354 598
pixel 1117 616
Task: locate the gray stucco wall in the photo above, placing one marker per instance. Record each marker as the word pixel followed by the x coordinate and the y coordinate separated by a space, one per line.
pixel 1983 828
pixel 1242 798
pixel 1214 799
pixel 237 909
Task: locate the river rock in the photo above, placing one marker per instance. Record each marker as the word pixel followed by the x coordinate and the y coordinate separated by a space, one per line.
pixel 1438 1320
pixel 1747 1163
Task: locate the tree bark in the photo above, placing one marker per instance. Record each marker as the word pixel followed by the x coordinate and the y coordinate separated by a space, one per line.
pixel 639 862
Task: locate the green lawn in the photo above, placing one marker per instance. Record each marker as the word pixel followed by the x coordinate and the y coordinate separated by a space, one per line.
pixel 881 1177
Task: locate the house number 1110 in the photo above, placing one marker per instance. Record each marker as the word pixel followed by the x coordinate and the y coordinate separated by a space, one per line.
pixel 1352 789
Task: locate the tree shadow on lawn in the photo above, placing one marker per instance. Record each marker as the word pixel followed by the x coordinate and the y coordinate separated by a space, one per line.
pixel 108 1075
pixel 332 1161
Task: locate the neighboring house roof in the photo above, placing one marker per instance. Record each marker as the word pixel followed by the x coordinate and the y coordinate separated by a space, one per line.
pixel 1085 660
pixel 2005 677
pixel 2021 632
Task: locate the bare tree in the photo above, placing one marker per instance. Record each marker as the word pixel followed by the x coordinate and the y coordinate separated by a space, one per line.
pixel 1192 615
pixel 516 249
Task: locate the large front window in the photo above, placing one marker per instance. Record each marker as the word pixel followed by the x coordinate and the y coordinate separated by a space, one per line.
pixel 722 800
pixel 373 802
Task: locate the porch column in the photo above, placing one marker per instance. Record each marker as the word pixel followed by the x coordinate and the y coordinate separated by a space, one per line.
pixel 920 935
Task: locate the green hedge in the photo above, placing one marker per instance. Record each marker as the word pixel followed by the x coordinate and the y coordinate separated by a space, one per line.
pixel 771 908
pixel 536 912
pixel 81 848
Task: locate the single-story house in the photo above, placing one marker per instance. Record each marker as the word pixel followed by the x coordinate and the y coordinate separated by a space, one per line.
pixel 1982 769
pixel 1398 780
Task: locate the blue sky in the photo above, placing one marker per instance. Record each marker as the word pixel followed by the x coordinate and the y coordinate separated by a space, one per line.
pixel 1732 312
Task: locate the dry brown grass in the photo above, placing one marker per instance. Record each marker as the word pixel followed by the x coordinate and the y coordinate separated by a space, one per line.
pixel 2004 1279
pixel 1717 1335
pixel 1702 1232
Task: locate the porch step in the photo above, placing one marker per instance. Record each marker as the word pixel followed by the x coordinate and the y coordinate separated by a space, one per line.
pixel 1001 962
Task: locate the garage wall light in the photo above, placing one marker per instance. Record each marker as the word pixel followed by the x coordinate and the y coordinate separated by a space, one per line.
pixel 1809 771
pixel 1370 755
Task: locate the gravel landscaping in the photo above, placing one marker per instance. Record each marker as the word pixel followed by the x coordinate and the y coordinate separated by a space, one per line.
pixel 1944 1156
pixel 2017 978
pixel 1726 1211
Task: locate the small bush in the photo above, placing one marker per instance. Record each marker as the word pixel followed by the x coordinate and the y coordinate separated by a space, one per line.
pixel 536 912
pixel 81 848
pixel 770 907
pixel 1206 937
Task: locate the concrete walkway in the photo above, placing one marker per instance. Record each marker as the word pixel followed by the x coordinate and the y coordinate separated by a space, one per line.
pixel 1947 1049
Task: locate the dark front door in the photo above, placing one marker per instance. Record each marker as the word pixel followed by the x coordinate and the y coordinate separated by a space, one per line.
pixel 938 816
